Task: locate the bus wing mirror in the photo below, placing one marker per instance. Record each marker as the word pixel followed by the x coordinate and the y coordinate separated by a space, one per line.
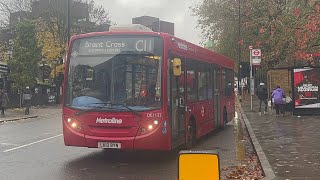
pixel 177 67
pixel 202 165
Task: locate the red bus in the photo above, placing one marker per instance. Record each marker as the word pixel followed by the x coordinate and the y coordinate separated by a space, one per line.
pixel 143 91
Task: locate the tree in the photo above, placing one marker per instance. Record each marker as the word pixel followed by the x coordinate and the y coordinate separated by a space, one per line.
pixel 98 19
pixel 4 45
pixel 219 26
pixel 52 21
pixel 267 25
pixel 52 27
pixel 26 55
pixel 51 47
pixel 307 16
pixel 284 30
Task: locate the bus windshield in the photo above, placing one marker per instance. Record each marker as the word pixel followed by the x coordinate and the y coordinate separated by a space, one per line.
pixel 117 69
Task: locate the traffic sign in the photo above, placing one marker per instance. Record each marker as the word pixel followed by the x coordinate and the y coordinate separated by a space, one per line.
pixel 250 47
pixel 256 52
pixel 256 62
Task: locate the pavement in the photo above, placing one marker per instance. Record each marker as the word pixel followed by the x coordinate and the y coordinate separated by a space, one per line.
pixel 15 114
pixel 288 147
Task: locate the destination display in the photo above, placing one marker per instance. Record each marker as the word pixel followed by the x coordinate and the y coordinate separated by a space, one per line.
pixel 112 45
pixel 306 86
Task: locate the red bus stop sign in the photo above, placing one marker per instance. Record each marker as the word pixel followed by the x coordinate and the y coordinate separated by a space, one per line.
pixel 256 52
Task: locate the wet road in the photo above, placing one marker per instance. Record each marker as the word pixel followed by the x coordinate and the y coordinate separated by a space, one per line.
pixel 33 149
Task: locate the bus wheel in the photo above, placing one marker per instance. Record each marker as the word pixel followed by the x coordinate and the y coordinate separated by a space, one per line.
pixel 224 123
pixel 191 134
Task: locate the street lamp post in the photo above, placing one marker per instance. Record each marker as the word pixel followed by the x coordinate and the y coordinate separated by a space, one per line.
pixel 43 61
pixel 55 69
pixel 8 70
pixel 68 21
pixel 54 78
pixel 239 50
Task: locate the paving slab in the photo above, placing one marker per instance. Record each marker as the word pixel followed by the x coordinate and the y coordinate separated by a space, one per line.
pixel 16 114
pixel 290 143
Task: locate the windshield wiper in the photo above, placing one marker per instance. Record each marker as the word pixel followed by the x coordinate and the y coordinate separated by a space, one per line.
pixel 88 110
pixel 119 104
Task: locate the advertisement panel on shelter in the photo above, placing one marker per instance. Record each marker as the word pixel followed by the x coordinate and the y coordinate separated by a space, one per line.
pixel 306 87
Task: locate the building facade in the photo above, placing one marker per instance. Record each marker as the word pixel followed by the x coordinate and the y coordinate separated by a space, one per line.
pixel 155 24
pixel 78 10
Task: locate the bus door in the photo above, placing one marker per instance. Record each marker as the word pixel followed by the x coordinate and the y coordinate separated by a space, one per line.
pixel 176 88
pixel 217 89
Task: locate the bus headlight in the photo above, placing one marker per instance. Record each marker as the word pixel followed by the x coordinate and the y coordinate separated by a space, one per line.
pixel 148 127
pixel 74 124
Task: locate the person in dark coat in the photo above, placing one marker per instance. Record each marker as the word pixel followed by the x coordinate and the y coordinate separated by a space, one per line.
pixel 4 101
pixel 26 99
pixel 262 94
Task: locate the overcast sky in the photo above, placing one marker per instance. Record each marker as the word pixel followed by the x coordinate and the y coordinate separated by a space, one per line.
pixel 175 11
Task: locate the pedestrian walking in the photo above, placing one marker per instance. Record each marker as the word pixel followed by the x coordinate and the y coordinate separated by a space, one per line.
pixel 26 99
pixel 278 96
pixel 262 94
pixel 4 101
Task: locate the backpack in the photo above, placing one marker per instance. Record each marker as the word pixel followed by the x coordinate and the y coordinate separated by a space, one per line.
pixel 262 92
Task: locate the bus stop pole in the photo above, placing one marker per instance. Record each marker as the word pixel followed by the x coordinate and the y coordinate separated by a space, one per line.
pixel 251 80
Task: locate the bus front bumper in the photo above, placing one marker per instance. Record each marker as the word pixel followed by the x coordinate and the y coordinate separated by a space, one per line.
pixel 152 141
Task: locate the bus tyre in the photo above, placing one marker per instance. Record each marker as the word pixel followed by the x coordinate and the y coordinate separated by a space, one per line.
pixel 224 123
pixel 191 134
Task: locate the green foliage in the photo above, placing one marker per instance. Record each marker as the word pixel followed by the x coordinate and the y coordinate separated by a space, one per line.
pixel 284 30
pixel 26 55
pixel 219 23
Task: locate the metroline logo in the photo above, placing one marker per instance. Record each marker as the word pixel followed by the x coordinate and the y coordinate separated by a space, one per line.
pixel 183 46
pixel 108 121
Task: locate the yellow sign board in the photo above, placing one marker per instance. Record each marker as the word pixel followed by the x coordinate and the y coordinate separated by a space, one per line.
pixel 177 67
pixel 199 165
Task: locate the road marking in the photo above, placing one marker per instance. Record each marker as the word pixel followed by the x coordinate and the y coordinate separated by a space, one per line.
pixel 8 144
pixel 19 147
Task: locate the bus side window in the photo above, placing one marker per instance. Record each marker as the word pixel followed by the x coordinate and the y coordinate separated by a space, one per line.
pixel 191 82
pixel 227 82
pixel 204 81
pixel 224 82
pixel 191 86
